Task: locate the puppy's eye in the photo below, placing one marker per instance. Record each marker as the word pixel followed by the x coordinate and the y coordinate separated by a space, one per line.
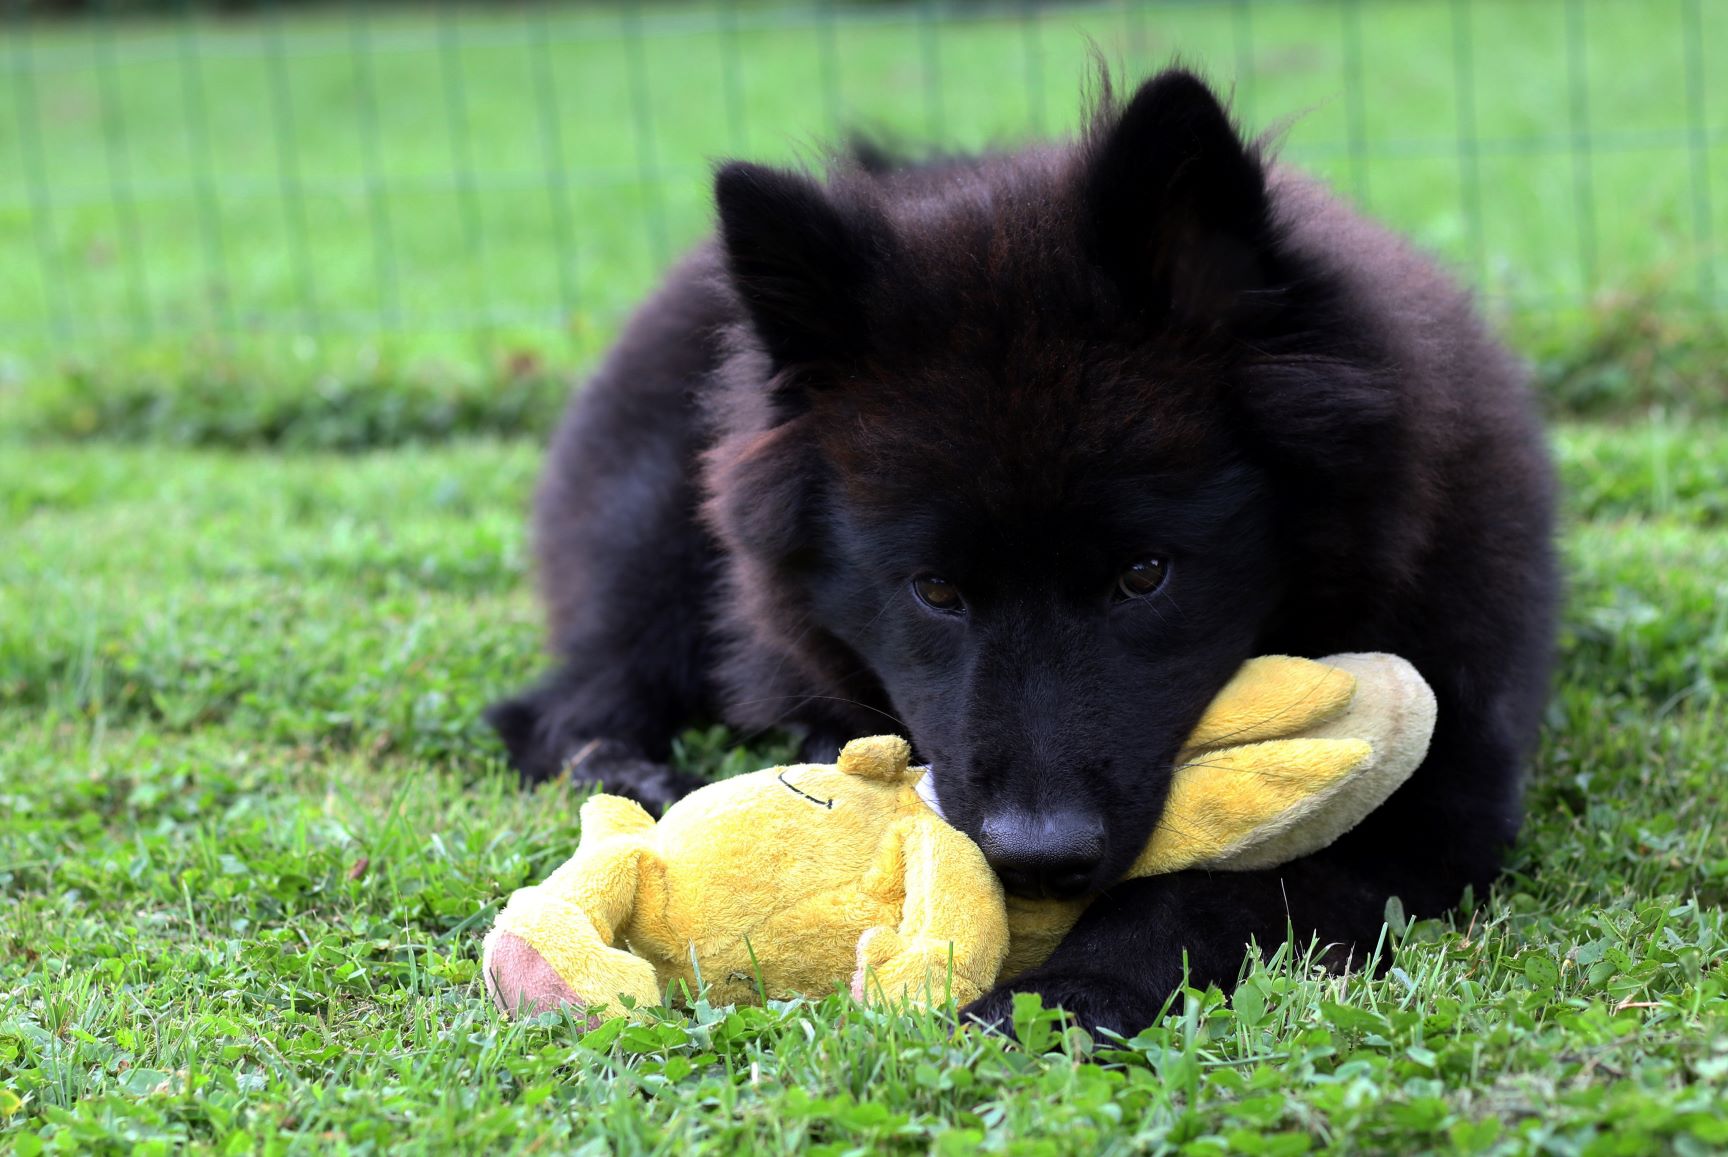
pixel 1142 578
pixel 938 594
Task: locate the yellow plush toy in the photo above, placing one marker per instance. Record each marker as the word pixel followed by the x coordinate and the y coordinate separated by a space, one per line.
pixel 795 879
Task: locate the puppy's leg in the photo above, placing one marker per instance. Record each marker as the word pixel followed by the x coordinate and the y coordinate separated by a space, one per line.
pixel 632 664
pixel 563 726
pixel 628 593
pixel 626 571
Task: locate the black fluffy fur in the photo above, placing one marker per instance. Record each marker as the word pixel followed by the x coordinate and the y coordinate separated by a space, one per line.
pixel 1023 373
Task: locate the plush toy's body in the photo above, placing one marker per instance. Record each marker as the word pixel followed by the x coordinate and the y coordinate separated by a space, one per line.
pixel 765 883
pixel 790 880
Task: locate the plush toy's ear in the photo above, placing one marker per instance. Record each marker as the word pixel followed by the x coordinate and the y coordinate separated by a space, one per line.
pixel 607 816
pixel 880 757
pixel 799 259
pixel 1175 202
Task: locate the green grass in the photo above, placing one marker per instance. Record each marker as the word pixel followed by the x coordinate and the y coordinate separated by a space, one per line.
pixel 200 209
pixel 250 827
pixel 250 834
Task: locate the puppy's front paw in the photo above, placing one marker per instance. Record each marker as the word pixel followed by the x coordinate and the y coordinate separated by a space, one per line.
pixel 1090 1002
pixel 544 743
pixel 620 769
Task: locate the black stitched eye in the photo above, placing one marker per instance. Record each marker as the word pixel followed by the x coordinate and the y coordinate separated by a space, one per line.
pixel 938 594
pixel 1142 578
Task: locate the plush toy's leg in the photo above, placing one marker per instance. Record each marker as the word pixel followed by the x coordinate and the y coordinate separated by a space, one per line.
pixel 556 943
pixel 953 932
pixel 518 979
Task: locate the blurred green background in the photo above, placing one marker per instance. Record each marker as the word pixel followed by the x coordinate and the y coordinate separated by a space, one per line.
pixel 345 225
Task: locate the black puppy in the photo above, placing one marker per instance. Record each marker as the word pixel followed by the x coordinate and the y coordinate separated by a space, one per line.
pixel 1022 455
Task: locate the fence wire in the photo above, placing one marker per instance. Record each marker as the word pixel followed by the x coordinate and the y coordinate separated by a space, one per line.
pixel 472 181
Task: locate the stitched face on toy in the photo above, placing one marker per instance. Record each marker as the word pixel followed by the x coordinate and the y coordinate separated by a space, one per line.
pixel 757 832
pixel 798 795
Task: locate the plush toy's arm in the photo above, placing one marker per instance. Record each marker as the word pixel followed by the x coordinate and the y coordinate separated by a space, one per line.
pixel 1291 755
pixel 1359 726
pixel 953 932
pixel 1272 697
pixel 556 943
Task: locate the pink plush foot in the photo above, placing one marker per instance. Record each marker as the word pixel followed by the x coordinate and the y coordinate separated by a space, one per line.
pixel 520 981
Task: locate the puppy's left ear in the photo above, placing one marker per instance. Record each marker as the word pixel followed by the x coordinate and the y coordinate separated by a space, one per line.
pixel 1175 202
pixel 801 259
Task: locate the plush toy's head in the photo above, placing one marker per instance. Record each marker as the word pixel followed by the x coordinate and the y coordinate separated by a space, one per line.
pixel 808 838
pixel 740 829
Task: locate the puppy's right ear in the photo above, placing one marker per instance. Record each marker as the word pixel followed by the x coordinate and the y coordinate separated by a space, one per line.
pixel 800 260
pixel 1176 200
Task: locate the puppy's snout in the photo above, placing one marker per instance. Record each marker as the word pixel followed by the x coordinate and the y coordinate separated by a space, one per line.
pixel 1044 855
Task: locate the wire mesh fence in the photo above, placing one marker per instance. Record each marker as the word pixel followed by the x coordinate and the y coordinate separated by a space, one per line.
pixel 472 182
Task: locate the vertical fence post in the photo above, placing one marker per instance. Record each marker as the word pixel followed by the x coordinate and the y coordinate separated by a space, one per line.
pixel 1134 21
pixel 1355 113
pixel 828 60
pixel 553 162
pixel 1032 53
pixel 732 78
pixel 1242 38
pixel 122 195
pixel 1469 160
pixel 462 170
pixel 1583 177
pixel 36 179
pixel 935 116
pixel 389 315
pixel 210 231
pixel 1698 140
pixel 647 167
pixel 288 182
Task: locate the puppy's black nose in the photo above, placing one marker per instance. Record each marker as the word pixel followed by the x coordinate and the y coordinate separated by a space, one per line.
pixel 1044 854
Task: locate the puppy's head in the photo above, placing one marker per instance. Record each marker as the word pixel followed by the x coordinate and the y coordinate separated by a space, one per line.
pixel 1028 436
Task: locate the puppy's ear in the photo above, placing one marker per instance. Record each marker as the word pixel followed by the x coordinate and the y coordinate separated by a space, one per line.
pixel 1175 202
pixel 800 261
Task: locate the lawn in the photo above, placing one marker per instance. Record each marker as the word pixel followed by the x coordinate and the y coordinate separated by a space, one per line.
pixel 251 834
pixel 256 583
